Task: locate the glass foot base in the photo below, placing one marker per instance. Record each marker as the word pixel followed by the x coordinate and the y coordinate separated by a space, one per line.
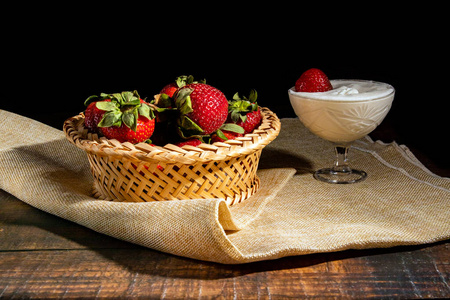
pixel 331 176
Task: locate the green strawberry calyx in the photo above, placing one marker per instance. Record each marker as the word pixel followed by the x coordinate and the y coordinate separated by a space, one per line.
pixel 187 79
pixel 123 108
pixel 186 127
pixel 238 107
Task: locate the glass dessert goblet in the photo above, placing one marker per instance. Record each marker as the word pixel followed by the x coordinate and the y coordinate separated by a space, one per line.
pixel 351 110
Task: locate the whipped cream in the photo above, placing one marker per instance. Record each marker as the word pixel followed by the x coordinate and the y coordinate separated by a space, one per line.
pixel 350 90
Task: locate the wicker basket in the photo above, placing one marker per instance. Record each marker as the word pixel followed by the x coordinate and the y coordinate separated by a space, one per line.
pixel 141 172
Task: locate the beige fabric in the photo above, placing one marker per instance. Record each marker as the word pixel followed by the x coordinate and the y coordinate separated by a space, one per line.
pixel 400 203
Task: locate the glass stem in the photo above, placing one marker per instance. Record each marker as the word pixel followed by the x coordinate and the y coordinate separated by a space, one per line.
pixel 341 164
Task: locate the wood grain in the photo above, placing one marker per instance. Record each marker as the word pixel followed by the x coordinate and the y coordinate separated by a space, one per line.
pixel 43 256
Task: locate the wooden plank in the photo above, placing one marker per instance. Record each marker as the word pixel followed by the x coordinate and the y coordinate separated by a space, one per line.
pixel 44 256
pixel 142 272
pixel 23 227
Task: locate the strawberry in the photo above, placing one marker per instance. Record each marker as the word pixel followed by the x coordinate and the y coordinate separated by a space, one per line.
pixel 192 142
pixel 126 117
pixel 93 115
pixel 252 121
pixel 202 109
pixel 123 133
pixel 245 112
pixel 169 89
pixel 312 81
pixel 229 135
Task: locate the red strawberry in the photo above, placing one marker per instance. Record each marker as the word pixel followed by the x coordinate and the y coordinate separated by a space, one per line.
pixel 203 109
pixel 192 142
pixel 169 89
pixel 253 120
pixel 93 115
pixel 245 112
pixel 126 117
pixel 313 80
pixel 229 135
pixel 123 133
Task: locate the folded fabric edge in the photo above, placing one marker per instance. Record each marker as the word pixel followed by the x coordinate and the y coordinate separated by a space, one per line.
pixel 221 219
pixel 226 219
pixel 272 181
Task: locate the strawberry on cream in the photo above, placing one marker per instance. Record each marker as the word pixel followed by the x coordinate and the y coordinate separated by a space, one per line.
pixel 350 90
pixel 351 110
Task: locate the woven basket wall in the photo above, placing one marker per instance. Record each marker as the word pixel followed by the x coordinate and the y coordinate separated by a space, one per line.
pixel 141 172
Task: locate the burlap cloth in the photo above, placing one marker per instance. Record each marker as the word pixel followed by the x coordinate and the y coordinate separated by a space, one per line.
pixel 400 203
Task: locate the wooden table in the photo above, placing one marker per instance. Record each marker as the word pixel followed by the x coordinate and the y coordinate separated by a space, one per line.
pixel 43 256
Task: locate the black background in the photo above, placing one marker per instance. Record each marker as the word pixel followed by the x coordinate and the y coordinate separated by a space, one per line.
pixel 58 56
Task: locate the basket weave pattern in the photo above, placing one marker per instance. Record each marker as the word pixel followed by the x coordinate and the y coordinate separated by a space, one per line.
pixel 141 172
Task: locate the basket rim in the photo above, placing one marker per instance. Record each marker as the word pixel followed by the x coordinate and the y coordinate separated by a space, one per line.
pixel 78 135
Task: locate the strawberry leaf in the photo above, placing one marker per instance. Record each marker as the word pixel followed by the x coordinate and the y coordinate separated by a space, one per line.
pixel 183 101
pixel 117 97
pixel 238 108
pixel 164 101
pixel 131 98
pixel 186 134
pixel 111 118
pixel 94 98
pixel 145 111
pixel 126 98
pixel 186 123
pixel 187 128
pixel 186 106
pixel 253 96
pixel 221 135
pixel 105 105
pixel 91 99
pixel 237 115
pixel 232 127
pixel 184 80
pixel 129 118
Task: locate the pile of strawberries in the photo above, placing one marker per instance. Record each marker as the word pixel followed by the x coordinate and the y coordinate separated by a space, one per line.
pixel 185 112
